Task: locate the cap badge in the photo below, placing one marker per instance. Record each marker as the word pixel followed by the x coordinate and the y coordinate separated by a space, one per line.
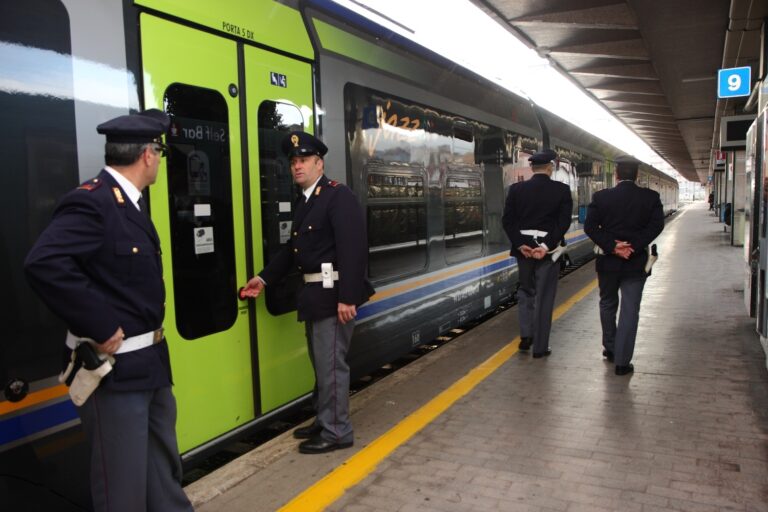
pixel 295 140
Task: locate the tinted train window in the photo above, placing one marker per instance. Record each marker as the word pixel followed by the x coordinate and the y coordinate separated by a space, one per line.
pixel 565 173
pixel 278 194
pixel 40 165
pixel 200 202
pixel 463 213
pixel 397 223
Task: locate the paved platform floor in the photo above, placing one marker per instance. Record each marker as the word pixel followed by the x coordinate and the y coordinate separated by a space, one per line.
pixel 688 431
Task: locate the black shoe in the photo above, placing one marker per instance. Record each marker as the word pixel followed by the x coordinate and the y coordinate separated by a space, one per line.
pixel 307 432
pixel 608 355
pixel 623 370
pixel 319 445
pixel 525 343
pixel 537 355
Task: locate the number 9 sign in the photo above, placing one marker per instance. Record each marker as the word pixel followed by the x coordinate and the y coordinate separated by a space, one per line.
pixel 734 82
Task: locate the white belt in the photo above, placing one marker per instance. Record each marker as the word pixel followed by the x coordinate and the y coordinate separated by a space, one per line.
pixel 318 278
pixel 535 233
pixel 129 344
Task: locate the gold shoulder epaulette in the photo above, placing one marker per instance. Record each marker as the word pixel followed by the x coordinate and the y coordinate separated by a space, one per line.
pixel 118 196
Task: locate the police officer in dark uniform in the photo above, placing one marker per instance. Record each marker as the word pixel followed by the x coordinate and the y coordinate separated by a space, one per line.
pixel 537 214
pixel 97 266
pixel 329 247
pixel 623 221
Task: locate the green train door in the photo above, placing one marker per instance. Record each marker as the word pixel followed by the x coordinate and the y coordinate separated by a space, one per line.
pixel 225 374
pixel 279 100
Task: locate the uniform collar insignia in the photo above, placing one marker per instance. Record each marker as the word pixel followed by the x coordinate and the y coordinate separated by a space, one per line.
pixel 118 196
pixel 317 190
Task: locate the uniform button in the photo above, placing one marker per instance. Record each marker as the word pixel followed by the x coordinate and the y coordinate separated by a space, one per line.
pixel 295 250
pixel 299 267
pixel 135 250
pixel 295 234
pixel 95 180
pixel 310 227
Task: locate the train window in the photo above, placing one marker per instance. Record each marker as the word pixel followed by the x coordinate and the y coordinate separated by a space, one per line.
pixel 566 173
pixel 463 145
pixel 278 194
pixel 584 195
pixel 463 214
pixel 200 202
pixel 397 222
pixel 40 164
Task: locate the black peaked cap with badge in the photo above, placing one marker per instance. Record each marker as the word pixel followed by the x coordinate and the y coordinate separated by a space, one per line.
pixel 303 144
pixel 542 157
pixel 141 128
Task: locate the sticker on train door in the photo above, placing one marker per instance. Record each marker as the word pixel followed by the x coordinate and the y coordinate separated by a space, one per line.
pixel 203 240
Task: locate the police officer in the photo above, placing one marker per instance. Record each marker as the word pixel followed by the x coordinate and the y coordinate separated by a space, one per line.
pixel 329 247
pixel 537 214
pixel 97 266
pixel 623 221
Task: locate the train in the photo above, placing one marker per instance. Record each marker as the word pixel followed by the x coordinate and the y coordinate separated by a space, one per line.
pixel 428 147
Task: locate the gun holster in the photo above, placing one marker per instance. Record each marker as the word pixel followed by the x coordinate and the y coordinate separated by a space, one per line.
pixel 89 368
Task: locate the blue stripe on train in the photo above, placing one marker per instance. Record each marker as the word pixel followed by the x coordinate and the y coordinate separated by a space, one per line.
pixel 404 298
pixel 36 421
pixel 418 293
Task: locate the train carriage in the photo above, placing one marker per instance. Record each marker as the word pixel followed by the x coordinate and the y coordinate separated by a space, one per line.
pixel 428 147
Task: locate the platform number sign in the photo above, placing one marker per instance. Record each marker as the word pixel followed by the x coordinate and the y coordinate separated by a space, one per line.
pixel 734 82
pixel 278 79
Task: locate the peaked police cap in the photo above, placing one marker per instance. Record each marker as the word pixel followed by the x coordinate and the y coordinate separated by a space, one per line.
pixel 627 161
pixel 140 128
pixel 542 157
pixel 303 144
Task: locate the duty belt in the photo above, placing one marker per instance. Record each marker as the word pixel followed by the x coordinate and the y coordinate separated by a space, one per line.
pixel 318 277
pixel 535 233
pixel 129 344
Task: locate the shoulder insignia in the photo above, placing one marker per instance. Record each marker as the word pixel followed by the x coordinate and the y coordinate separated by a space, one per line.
pixel 90 185
pixel 118 196
pixel 317 190
pixel 333 183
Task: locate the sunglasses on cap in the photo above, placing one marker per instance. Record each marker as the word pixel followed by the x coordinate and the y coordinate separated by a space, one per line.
pixel 159 147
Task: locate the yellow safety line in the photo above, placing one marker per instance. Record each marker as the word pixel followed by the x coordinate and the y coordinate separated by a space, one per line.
pixel 360 465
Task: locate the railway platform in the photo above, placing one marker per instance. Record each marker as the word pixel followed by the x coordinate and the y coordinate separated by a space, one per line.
pixel 479 426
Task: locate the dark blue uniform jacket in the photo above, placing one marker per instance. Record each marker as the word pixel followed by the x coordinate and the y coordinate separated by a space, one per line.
pixel 629 213
pixel 328 228
pixel 539 203
pixel 97 266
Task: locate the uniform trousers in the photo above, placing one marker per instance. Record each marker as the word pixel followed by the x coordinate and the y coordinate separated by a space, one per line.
pixel 620 340
pixel 536 298
pixel 328 342
pixel 135 463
